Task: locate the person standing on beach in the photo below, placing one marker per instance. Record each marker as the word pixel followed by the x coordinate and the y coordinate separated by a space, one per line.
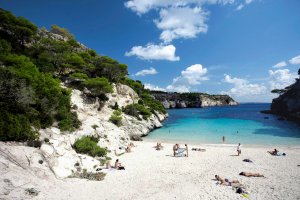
pixel 239 151
pixel 223 139
pixel 187 150
pixel 175 148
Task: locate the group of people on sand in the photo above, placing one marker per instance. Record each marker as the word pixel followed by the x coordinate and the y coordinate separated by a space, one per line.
pixel 117 165
pixel 180 152
pixel 235 183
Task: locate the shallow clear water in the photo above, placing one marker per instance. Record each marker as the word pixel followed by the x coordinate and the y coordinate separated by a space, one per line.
pixel 243 123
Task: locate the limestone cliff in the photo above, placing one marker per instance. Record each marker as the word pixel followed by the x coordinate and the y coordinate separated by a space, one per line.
pixel 192 100
pixel 60 155
pixel 287 104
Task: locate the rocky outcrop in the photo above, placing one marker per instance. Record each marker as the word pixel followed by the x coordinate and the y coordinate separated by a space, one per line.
pixel 287 105
pixel 58 152
pixel 192 100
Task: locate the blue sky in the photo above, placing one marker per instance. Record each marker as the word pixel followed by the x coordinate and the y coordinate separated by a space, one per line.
pixel 243 48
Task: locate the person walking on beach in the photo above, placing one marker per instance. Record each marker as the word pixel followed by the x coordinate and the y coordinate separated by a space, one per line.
pixel 223 139
pixel 239 151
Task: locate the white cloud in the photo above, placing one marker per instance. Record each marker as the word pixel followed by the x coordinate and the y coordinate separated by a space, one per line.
pixel 153 87
pixel 154 52
pixel 243 87
pixel 144 6
pixel 181 22
pixel 177 18
pixel 280 64
pixel 145 72
pixel 242 5
pixel 295 60
pixel 178 88
pixel 281 78
pixel 192 75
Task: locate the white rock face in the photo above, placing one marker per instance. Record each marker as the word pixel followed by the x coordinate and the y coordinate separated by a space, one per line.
pixel 123 95
pixel 62 158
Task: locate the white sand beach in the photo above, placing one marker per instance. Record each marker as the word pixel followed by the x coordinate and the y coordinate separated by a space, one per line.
pixel 152 174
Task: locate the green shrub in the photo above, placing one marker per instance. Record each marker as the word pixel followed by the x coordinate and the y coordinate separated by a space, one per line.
pixel 152 104
pixel 98 85
pixel 15 127
pixel 88 145
pixel 70 123
pixel 79 75
pixel 116 118
pixel 136 110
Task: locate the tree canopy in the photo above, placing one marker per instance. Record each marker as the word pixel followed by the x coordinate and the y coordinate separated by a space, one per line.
pixel 34 62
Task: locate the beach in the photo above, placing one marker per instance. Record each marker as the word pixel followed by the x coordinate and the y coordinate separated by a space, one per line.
pixel 152 174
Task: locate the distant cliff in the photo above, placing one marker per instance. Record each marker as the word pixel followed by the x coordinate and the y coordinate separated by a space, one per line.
pixel 192 100
pixel 287 105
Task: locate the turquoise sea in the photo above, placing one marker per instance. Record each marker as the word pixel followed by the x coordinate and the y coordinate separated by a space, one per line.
pixel 243 123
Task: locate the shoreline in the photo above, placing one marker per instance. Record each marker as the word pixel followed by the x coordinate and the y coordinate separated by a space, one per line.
pixel 145 139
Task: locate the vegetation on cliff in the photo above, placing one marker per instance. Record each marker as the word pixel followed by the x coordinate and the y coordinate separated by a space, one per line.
pixel 34 62
pixel 88 145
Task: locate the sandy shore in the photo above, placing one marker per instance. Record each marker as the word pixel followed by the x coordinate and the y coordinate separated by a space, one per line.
pixel 152 174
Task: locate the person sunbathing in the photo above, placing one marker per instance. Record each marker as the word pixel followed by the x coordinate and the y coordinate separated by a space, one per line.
pixel 249 174
pixel 198 149
pixel 274 153
pixel 234 183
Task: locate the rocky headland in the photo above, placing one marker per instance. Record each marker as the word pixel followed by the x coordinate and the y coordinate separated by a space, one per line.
pixel 287 105
pixel 192 100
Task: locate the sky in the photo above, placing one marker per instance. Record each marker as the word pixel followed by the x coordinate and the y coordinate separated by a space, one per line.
pixel 243 48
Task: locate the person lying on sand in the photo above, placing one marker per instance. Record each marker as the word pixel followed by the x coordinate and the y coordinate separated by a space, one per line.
pixel 249 174
pixel 274 153
pixel 118 165
pixel 233 183
pixel 198 149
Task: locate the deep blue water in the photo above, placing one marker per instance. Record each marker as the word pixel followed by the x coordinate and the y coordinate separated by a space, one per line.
pixel 243 123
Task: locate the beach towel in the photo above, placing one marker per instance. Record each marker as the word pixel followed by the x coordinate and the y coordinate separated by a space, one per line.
pixel 180 150
pixel 179 154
